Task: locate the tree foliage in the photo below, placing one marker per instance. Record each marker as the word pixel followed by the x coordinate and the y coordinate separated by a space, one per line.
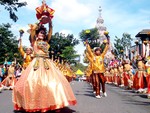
pixel 78 66
pixel 63 46
pixel 12 7
pixel 8 44
pixel 91 35
pixel 121 43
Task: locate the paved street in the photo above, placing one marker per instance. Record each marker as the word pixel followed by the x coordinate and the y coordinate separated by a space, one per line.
pixel 118 101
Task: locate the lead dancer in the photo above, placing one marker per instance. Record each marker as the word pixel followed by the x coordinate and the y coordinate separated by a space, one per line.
pixel 42 87
pixel 98 67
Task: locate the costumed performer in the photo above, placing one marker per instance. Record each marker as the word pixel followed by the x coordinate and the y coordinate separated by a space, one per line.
pixel 98 67
pixel 27 54
pixel 42 86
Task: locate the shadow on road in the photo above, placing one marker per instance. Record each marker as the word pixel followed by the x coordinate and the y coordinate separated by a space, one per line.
pixel 134 102
pixel 63 110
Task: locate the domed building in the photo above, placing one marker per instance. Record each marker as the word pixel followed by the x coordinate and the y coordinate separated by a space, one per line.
pixel 101 29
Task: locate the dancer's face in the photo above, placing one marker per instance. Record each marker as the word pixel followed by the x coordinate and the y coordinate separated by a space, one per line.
pixel 28 51
pixel 41 35
pixel 97 52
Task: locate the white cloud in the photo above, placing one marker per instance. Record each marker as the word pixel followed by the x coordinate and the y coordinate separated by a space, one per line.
pixel 32 4
pixel 124 20
pixel 66 32
pixel 71 10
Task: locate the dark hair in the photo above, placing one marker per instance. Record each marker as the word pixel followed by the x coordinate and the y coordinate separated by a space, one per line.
pixel 97 49
pixel 45 31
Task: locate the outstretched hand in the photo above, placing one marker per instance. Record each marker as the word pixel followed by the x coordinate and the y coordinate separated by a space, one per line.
pixel 19 39
pixel 86 42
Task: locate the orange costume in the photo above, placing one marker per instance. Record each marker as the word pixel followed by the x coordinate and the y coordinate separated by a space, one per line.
pixel 127 75
pixel 120 77
pixel 44 12
pixel 148 76
pixel 42 86
pixel 10 80
pixel 90 71
pixel 27 57
pixel 98 67
pixel 115 74
pixel 140 82
pixel 107 75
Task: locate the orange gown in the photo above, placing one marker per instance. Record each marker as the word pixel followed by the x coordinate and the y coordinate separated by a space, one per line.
pixel 10 80
pixel 42 86
pixel 139 81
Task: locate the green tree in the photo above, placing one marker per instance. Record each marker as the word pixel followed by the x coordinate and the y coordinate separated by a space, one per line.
pixel 121 43
pixel 63 46
pixel 69 54
pixel 8 44
pixel 78 66
pixel 91 35
pixel 12 7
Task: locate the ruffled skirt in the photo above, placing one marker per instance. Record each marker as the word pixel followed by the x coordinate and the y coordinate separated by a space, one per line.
pixel 42 89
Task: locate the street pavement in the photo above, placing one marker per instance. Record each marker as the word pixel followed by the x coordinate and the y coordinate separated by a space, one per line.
pixel 117 101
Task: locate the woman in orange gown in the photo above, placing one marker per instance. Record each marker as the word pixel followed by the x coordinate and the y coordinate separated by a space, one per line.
pixel 42 86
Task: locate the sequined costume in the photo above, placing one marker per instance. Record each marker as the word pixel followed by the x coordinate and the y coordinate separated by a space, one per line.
pixel 42 86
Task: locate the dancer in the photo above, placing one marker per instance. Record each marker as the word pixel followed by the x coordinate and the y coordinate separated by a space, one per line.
pixel 98 67
pixel 10 80
pixel 90 70
pixel 139 81
pixel 27 54
pixel 42 86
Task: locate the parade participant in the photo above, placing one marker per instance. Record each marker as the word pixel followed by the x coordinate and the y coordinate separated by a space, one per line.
pixel 88 74
pixel 115 74
pixel 18 70
pixel 127 74
pixel 148 76
pixel 111 74
pixel 98 67
pixel 139 83
pixel 27 54
pixel 10 80
pixel 148 87
pixel 90 70
pixel 42 86
pixel 107 75
pixel 120 77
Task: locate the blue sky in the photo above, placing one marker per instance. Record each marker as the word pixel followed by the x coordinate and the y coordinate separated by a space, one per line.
pixel 72 16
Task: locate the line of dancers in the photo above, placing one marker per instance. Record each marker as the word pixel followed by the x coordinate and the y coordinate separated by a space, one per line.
pixel 122 74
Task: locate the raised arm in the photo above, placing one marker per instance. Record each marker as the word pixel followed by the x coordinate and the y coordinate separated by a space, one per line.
pixel 89 57
pixel 89 50
pixel 50 30
pixel 106 48
pixel 33 28
pixel 21 48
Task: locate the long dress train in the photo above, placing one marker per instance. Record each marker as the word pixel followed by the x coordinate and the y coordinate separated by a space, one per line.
pixel 42 86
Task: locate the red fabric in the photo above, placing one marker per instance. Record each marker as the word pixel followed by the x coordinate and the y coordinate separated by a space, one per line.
pixel 126 77
pixel 118 80
pixel 44 109
pixel 110 79
pixel 148 83
pixel 139 82
pixel 44 10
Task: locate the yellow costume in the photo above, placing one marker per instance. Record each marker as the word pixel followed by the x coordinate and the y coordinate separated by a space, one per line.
pixel 98 68
pixel 98 61
pixel 27 57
